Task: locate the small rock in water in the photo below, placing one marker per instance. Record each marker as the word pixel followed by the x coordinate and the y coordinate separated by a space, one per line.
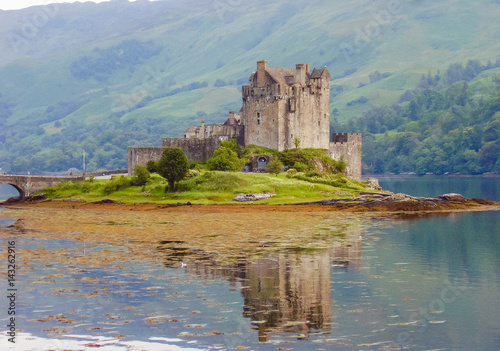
pixel 452 195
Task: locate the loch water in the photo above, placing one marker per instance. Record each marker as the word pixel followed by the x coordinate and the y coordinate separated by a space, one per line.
pixel 393 283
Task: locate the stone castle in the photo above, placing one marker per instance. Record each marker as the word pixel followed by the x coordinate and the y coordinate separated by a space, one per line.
pixel 280 106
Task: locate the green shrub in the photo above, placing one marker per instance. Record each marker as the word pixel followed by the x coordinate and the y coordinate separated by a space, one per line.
pixel 224 159
pixel 308 159
pixel 115 184
pixel 152 166
pixel 315 173
pixel 192 173
pixel 230 144
pixel 275 166
pixel 141 177
pixel 197 165
pixel 340 165
pixel 300 166
pixel 83 186
pixel 291 172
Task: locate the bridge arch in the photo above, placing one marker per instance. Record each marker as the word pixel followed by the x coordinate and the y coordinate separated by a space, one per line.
pixel 15 186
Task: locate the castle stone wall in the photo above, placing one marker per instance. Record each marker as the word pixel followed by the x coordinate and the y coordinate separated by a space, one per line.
pixel 139 156
pixel 195 149
pixel 348 145
pixel 260 117
pixel 214 130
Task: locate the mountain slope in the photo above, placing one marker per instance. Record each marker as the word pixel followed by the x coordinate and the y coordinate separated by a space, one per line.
pixel 103 76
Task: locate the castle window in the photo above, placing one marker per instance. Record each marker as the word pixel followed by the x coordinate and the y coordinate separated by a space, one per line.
pixel 291 136
pixel 319 123
pixel 258 118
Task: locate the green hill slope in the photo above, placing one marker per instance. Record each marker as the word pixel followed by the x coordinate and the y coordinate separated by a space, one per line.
pixel 104 76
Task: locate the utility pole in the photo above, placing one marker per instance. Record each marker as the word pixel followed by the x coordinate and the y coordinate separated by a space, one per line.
pixel 84 164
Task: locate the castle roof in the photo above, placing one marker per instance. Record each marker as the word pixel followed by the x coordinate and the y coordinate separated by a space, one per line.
pixel 282 75
pixel 192 130
pixel 233 120
pixel 287 76
pixel 318 73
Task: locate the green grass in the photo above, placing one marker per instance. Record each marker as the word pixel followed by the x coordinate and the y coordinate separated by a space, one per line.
pixel 213 188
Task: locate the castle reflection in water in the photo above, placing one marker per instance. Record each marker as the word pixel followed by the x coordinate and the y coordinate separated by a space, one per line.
pixel 286 292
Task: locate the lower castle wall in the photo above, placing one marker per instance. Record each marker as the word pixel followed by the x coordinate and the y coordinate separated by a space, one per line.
pixel 196 149
pixel 139 156
pixel 348 145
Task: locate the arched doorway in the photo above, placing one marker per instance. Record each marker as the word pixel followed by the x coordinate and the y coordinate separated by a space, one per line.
pixel 262 161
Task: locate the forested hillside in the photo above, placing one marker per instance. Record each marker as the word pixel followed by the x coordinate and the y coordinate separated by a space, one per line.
pixel 101 77
pixel 451 124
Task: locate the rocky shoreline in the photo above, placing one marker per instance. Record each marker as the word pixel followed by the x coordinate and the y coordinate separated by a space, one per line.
pixel 383 201
pixel 387 201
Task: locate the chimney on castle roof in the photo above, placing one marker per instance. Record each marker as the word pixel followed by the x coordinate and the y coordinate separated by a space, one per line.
pixel 261 73
pixel 301 75
pixel 202 129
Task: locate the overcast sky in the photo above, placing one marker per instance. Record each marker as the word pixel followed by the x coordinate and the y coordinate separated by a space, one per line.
pixel 19 4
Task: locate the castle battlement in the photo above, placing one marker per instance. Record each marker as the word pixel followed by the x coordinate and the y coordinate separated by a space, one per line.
pixel 341 138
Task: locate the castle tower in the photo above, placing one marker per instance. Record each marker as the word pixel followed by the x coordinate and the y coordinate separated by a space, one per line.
pixel 348 146
pixel 282 104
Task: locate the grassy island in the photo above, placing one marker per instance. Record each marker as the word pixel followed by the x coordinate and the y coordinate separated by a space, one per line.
pixel 311 176
pixel 212 187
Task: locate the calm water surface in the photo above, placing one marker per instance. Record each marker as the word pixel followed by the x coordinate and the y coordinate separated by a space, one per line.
pixel 471 187
pixel 426 283
pixel 7 191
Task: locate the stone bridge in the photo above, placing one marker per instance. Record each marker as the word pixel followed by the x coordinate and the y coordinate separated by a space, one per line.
pixel 28 184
